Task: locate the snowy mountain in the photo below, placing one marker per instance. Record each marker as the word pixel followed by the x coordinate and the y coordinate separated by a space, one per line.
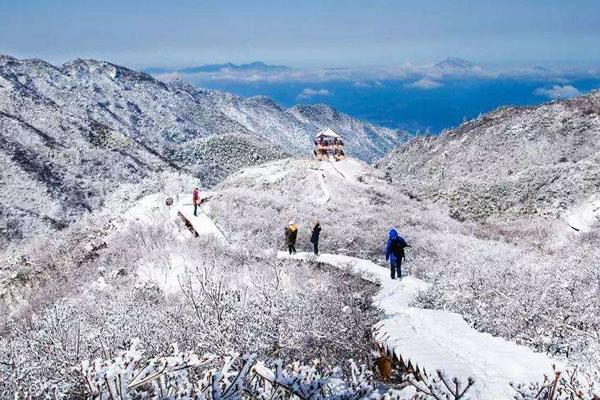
pixel 293 129
pixel 70 134
pixel 455 63
pixel 513 161
pixel 90 151
pixel 456 66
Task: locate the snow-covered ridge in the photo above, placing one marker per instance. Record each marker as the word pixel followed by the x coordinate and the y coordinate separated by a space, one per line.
pixel 512 161
pixel 71 134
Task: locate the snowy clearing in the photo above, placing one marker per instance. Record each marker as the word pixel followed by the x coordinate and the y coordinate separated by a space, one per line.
pixel 583 217
pixel 433 340
pixel 153 208
pixel 349 168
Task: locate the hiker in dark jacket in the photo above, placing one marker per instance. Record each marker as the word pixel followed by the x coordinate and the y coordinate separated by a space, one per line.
pixel 314 238
pixel 291 233
pixel 394 252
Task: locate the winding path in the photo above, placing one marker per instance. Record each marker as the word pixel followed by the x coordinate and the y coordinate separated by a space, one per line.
pixel 429 340
pixel 436 339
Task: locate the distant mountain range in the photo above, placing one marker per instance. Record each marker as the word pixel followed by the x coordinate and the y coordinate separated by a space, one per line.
pixel 412 97
pixel 70 135
pixel 453 62
pixel 451 66
pixel 208 68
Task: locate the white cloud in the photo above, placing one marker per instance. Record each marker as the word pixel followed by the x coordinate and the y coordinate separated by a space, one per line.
pixel 422 77
pixel 557 92
pixel 307 93
pixel 424 83
pixel 361 84
pixel 366 84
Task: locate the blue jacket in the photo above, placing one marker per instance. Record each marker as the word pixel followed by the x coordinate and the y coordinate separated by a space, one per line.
pixel 390 255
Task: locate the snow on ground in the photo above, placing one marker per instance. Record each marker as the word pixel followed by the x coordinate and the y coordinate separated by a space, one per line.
pixel 438 339
pixel 349 168
pixel 153 209
pixel 166 275
pixel 202 223
pixel 148 208
pixel 326 193
pixel 268 173
pixel 584 216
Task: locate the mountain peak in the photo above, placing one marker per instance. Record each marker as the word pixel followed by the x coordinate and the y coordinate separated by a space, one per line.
pixel 455 63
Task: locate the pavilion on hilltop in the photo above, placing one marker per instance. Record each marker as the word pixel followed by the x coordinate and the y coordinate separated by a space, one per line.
pixel 329 145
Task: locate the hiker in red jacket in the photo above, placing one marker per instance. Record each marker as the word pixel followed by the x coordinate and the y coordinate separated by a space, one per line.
pixel 196 200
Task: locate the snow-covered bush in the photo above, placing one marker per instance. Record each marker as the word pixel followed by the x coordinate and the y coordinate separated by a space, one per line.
pixel 184 375
pixel 153 280
pixel 571 384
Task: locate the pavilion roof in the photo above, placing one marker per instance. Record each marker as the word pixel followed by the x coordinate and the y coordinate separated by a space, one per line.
pixel 328 133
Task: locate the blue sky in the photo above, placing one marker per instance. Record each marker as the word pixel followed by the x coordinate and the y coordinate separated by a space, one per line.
pixel 303 33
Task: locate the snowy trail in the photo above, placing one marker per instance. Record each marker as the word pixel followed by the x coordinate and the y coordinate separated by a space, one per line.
pixel 438 339
pixel 324 188
pixel 202 224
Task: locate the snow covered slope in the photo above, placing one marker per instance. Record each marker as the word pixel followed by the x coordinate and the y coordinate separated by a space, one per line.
pixel 151 210
pixel 432 340
pixel 512 161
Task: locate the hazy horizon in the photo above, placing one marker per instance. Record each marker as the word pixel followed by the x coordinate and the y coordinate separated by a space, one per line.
pixel 303 34
pixel 375 62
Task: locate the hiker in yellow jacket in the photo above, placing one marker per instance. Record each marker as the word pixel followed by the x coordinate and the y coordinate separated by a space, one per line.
pixel 291 233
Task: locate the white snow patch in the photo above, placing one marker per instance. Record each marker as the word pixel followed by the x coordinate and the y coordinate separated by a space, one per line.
pixel 583 217
pixel 349 169
pixel 266 173
pixel 167 277
pixel 326 193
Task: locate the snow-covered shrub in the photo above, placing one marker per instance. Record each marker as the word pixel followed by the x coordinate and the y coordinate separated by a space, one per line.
pixel 571 384
pixel 185 375
pixel 153 280
pixel 439 386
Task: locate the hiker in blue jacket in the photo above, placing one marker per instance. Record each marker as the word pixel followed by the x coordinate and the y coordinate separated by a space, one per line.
pixel 394 252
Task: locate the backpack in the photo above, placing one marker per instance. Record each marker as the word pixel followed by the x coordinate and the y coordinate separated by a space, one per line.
pixel 398 246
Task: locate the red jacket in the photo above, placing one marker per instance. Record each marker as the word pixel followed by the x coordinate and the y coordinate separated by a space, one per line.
pixel 196 196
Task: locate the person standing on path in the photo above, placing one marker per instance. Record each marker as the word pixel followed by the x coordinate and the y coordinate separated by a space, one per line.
pixel 394 252
pixel 291 233
pixel 196 200
pixel 314 238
